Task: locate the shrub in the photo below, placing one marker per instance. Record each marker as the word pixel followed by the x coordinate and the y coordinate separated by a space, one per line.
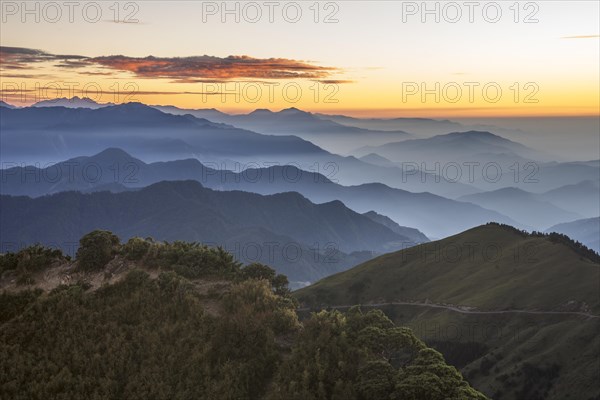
pixel 29 260
pixel 96 249
pixel 136 248
pixel 258 271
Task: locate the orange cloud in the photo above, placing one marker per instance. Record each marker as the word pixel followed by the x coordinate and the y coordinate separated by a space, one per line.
pixel 179 69
pixel 208 68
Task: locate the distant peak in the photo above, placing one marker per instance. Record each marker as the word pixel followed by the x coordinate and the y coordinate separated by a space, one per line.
pixel 334 203
pixel 261 111
pixel 374 156
pixel 186 186
pixel 293 110
pixel 372 213
pixel 113 154
pixel 74 99
pixel 134 106
pixel 474 133
pixel 113 151
pixel 7 105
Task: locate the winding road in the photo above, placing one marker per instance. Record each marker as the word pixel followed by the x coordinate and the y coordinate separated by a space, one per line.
pixel 461 310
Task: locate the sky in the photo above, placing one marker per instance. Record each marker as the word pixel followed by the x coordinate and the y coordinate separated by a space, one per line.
pixel 364 58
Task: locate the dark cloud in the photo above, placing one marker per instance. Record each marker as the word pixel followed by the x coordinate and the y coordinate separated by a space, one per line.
pixel 27 76
pixel 22 58
pixel 95 73
pixel 334 81
pixel 178 69
pixel 19 92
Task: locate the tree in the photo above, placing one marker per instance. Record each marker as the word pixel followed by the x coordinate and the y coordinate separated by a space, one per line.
pixel 136 248
pixel 376 380
pixel 258 271
pixel 96 249
pixel 430 378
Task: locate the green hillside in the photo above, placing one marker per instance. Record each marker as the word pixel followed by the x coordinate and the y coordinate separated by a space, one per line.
pixel 517 313
pixel 150 320
pixel 491 267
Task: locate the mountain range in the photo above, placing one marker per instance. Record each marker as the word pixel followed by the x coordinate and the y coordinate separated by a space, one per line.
pixel 54 131
pixel 420 127
pixel 47 134
pixel 482 160
pixel 300 238
pixel 73 102
pixel 40 135
pixel 531 209
pixel 325 133
pixel 471 146
pixel 433 215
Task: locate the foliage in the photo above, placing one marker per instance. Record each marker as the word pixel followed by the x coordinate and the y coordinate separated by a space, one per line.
pixel 136 248
pixel 96 249
pixel 428 377
pixel 555 237
pixel 192 260
pixel 162 338
pixel 365 357
pixel 279 282
pixel 141 339
pixel 30 260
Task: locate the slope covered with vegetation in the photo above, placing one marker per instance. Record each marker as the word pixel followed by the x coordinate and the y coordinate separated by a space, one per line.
pixel 516 312
pixel 491 267
pixel 149 320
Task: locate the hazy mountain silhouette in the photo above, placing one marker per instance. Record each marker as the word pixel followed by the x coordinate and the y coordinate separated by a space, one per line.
pixel 304 240
pixel 412 233
pixel 586 231
pixel 376 159
pixel 582 197
pixel 550 176
pixel 436 216
pixel 417 126
pixel 485 161
pixel 73 102
pixel 455 146
pixel 211 114
pixel 328 134
pixel 48 134
pixel 5 104
pixel 528 208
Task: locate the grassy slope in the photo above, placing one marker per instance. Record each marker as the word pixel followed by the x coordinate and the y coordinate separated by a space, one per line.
pixel 489 267
pixel 506 356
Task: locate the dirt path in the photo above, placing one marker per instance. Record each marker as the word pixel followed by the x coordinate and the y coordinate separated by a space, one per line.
pixel 462 310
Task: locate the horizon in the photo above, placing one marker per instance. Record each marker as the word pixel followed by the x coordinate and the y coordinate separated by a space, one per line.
pixel 359 113
pixel 446 71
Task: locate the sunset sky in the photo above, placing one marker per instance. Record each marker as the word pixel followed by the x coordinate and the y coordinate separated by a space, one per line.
pixel 368 59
